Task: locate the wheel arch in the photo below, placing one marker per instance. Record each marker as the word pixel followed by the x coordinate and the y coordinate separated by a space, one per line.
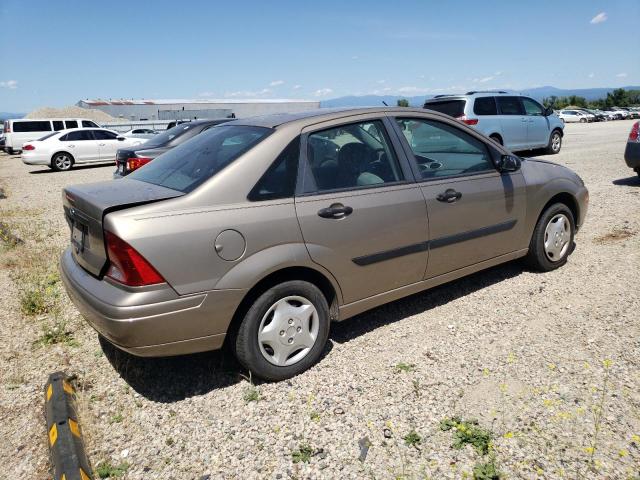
pixel 566 198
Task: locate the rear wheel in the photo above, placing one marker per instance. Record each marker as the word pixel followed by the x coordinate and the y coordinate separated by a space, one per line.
pixel 62 162
pixel 284 332
pixel 552 239
pixel 555 143
pixel 583 120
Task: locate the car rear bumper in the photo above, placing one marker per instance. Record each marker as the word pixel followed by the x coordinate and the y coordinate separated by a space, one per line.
pixel 150 321
pixel 632 155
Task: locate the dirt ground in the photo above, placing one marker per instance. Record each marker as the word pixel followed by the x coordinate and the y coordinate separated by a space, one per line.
pixel 548 365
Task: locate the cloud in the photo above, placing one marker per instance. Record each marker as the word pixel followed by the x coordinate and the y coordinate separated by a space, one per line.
pixel 485 79
pixel 297 87
pixel 323 91
pixel 249 93
pixel 412 90
pixel 621 75
pixel 591 75
pixel 276 83
pixel 10 84
pixel 599 18
pixel 498 73
pixel 355 57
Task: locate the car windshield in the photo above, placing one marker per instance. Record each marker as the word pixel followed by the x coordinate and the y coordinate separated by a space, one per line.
pixel 189 165
pixel 165 137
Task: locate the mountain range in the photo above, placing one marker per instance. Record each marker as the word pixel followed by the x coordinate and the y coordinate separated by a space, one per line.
pixel 538 93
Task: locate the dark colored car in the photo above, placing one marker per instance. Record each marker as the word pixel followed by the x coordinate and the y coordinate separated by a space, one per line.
pixel 130 159
pixel 632 152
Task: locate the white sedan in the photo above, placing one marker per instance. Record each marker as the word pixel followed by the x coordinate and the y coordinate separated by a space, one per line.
pixel 61 150
pixel 146 133
pixel 568 116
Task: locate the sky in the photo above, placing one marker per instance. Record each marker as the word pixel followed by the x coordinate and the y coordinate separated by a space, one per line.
pixel 56 53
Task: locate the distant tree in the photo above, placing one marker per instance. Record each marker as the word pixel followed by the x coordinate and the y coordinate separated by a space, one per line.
pixel 403 102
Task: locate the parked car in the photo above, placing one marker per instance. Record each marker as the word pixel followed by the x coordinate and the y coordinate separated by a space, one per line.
pixel 20 131
pixel 597 115
pixel 517 122
pixel 262 231
pixel 620 112
pixel 632 152
pixel 62 150
pixel 130 159
pixel 2 143
pixel 572 116
pixel 613 115
pixel 146 133
pixel 632 113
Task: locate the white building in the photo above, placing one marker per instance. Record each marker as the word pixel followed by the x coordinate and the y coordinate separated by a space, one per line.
pixel 175 109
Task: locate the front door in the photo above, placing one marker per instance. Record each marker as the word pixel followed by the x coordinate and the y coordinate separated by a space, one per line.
pixel 475 213
pixel 513 122
pixel 538 130
pixel 107 143
pixel 361 217
pixel 82 146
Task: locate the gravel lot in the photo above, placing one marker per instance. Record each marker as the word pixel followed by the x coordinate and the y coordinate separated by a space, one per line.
pixel 548 364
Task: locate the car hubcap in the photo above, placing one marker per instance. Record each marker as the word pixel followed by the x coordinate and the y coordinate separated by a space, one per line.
pixel 555 143
pixel 556 237
pixel 288 331
pixel 63 162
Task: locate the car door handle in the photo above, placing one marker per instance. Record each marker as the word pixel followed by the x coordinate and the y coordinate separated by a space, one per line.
pixel 71 146
pixel 449 196
pixel 337 210
pixel 101 144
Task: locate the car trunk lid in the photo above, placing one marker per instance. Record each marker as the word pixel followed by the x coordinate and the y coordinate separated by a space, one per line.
pixel 86 205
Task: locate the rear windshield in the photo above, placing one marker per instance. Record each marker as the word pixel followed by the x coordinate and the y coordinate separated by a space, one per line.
pixel 189 165
pixel 187 130
pixel 454 108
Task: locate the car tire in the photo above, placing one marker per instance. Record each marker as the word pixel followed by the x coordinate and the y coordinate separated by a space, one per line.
pixel 496 138
pixel 274 347
pixel 552 239
pixel 62 161
pixel 11 151
pixel 555 143
pixel 583 120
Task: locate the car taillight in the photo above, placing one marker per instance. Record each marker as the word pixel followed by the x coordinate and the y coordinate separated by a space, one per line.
pixel 468 121
pixel 135 163
pixel 127 266
pixel 634 135
pixel 28 147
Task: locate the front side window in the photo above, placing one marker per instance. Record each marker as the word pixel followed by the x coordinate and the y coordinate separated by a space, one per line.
pixel 510 106
pixel 189 165
pixel 71 124
pixel 351 156
pixel 442 150
pixel 485 106
pixel 532 107
pixel 104 135
pixel 280 180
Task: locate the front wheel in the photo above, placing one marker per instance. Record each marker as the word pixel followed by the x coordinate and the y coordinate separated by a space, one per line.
pixel 552 239
pixel 583 120
pixel 555 143
pixel 61 162
pixel 284 332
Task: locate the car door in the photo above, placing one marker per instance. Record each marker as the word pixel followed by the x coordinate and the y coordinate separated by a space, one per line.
pixel 538 128
pixel 82 145
pixel 513 122
pixel 362 216
pixel 107 144
pixel 475 213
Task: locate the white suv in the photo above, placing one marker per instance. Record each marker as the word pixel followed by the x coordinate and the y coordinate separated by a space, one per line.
pixel 17 132
pixel 515 121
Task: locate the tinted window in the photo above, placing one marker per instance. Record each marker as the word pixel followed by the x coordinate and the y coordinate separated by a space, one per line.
pixel 58 125
pixel 189 165
pixel 454 108
pixel 532 107
pixel 485 106
pixel 88 124
pixel 71 124
pixel 78 136
pixel 280 180
pixel 33 126
pixel 104 135
pixel 442 150
pixel 510 106
pixel 351 156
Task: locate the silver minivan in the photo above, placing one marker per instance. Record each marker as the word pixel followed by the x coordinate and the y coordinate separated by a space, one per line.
pixel 515 121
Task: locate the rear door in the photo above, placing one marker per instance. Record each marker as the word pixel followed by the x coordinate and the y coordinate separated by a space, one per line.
pixel 513 122
pixel 82 145
pixel 361 215
pixel 538 129
pixel 475 213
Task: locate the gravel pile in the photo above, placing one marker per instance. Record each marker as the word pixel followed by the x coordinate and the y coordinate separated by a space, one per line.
pixel 547 364
pixel 72 112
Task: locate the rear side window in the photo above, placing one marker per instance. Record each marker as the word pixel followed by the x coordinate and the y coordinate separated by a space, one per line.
pixel 89 124
pixel 33 126
pixel 77 136
pixel 453 108
pixel 510 106
pixel 71 124
pixel 58 125
pixel 280 180
pixel 189 165
pixel 485 106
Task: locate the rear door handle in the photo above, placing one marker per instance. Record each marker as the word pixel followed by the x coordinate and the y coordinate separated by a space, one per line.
pixel 449 196
pixel 336 210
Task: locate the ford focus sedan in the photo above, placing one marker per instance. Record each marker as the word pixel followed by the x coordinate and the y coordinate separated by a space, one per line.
pixel 261 232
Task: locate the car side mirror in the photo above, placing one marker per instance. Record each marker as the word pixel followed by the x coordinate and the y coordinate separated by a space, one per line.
pixel 120 138
pixel 509 163
pixel 548 111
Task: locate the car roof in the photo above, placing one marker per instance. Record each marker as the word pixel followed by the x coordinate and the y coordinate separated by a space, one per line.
pixel 311 117
pixel 473 93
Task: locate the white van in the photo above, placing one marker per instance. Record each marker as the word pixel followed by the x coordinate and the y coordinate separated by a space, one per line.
pixel 20 131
